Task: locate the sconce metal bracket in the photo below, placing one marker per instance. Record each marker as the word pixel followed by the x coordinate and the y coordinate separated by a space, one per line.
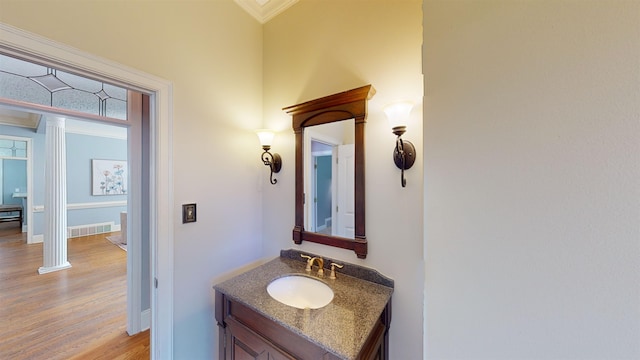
pixel 274 162
pixel 409 155
pixel 404 156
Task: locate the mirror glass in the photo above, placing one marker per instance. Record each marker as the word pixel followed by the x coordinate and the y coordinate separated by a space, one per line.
pixel 329 168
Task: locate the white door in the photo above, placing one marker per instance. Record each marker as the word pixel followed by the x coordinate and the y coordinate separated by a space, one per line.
pixel 346 191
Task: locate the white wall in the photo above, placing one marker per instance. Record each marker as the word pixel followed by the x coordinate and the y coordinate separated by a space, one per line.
pixel 532 167
pixel 212 53
pixel 317 48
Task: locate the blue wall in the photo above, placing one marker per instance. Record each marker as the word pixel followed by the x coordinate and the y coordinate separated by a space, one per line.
pixel 323 186
pixel 14 176
pixel 80 150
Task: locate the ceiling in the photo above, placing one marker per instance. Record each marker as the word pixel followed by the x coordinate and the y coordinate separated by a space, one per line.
pixel 261 10
pixel 265 10
pixel 19 118
pixel 24 119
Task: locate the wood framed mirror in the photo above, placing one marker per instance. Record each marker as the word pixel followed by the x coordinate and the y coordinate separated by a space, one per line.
pixel 351 106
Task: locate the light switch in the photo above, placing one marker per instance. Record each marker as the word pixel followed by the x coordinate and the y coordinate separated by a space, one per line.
pixel 188 213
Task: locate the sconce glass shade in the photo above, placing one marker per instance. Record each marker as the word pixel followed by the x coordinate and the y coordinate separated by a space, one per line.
pixel 266 137
pixel 398 114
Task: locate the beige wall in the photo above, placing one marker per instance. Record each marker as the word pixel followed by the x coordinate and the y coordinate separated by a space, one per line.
pixel 211 51
pixel 532 160
pixel 531 153
pixel 317 48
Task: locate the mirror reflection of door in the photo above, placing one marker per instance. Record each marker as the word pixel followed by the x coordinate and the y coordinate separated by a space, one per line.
pixel 330 179
pixel 345 202
pixel 321 154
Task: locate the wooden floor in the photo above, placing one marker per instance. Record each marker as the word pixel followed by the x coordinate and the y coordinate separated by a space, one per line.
pixel 77 313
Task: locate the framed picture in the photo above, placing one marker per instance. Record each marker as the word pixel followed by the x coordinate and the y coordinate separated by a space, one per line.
pixel 188 213
pixel 109 177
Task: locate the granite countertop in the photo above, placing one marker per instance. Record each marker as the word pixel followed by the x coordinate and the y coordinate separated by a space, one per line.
pixel 341 327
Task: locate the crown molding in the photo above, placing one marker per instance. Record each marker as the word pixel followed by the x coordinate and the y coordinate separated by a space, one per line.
pixel 265 10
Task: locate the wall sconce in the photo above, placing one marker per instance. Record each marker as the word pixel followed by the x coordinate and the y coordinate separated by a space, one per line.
pixel 273 161
pixel 404 154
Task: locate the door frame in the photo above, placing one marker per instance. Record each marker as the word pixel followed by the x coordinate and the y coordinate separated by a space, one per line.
pixel 35 47
pixel 27 212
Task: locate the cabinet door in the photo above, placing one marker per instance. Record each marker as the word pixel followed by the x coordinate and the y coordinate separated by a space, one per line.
pixel 374 348
pixel 243 344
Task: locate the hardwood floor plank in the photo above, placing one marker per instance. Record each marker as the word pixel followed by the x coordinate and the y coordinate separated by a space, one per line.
pixel 77 313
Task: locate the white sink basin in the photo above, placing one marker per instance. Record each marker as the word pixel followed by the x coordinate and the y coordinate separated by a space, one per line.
pixel 300 292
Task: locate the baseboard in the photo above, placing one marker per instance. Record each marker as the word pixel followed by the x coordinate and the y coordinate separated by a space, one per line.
pixel 48 269
pixel 35 239
pixel 91 229
pixel 145 320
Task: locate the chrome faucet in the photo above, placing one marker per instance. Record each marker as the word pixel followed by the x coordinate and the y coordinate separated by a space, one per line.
pixel 311 260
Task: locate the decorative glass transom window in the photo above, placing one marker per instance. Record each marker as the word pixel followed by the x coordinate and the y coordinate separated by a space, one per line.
pixel 13 148
pixel 24 81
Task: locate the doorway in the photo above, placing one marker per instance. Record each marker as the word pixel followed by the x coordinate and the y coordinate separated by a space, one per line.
pixel 321 186
pixel 28 46
pixel 87 213
pixel 16 178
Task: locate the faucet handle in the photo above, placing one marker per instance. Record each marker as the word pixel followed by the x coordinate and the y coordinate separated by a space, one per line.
pixel 333 270
pixel 308 268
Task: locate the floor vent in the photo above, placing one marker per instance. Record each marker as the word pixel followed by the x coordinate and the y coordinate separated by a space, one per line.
pixel 90 229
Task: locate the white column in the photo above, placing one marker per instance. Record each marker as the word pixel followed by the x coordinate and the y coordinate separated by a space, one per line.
pixel 55 202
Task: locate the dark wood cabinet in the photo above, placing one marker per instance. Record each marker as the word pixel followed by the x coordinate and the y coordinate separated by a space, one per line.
pixel 246 334
pixel 241 343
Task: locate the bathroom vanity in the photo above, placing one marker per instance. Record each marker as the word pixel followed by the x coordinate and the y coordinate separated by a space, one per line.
pixel 353 325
